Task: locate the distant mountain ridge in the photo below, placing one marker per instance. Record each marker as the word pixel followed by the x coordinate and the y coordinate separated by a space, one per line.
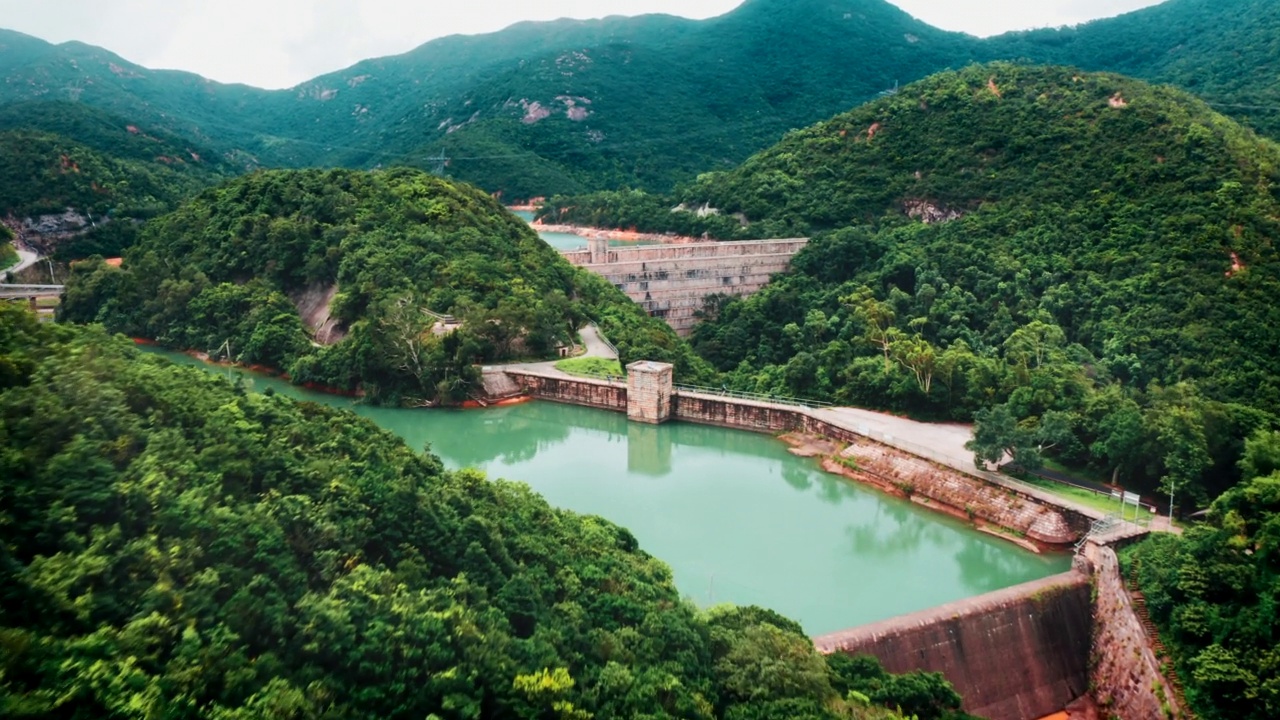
pixel 575 105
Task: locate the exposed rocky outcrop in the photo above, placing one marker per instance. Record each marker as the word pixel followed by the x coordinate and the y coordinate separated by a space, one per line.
pixel 314 308
pixel 43 233
pixel 929 213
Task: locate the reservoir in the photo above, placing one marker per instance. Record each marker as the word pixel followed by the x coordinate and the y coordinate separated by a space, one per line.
pixel 737 517
pixel 570 241
pixel 559 241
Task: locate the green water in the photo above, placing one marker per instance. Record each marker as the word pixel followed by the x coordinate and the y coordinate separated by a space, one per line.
pixel 569 241
pixel 737 517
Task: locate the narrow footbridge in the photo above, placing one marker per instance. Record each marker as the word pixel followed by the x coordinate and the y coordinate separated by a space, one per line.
pixel 29 292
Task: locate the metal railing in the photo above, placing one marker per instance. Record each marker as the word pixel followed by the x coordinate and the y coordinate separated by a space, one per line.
pixel 758 397
pixel 603 339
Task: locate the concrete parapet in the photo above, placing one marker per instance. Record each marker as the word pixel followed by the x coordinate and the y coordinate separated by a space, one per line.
pixel 1014 654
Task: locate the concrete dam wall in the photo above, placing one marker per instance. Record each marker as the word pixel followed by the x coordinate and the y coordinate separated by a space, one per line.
pixel 1014 654
pixel 672 282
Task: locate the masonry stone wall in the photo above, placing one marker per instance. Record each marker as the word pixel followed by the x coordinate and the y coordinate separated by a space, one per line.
pixel 586 392
pixel 673 281
pixel 1126 674
pixel 1014 654
pixel 649 391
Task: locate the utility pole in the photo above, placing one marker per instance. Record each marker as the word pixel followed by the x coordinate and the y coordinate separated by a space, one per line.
pixel 438 163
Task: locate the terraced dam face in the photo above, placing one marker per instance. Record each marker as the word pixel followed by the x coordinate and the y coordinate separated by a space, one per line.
pixel 673 280
pixel 737 517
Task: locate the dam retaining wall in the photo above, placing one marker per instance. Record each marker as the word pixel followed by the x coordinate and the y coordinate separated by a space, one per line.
pixel 1127 680
pixel 1023 652
pixel 673 281
pixel 1014 654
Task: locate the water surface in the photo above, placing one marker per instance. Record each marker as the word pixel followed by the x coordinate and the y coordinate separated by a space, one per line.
pixel 570 241
pixel 737 517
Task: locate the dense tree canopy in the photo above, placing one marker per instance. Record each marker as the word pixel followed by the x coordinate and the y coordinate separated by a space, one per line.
pixel 1214 593
pixel 174 547
pixel 1092 251
pixel 229 272
pixel 575 106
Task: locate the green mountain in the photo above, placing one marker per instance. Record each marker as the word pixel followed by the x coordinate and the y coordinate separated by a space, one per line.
pixel 574 106
pixel 332 276
pixel 110 176
pixel 174 547
pixel 537 108
pixel 1042 239
pixel 1223 51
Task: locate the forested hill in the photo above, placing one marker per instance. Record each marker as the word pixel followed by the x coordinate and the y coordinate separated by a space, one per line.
pixel 1224 51
pixel 538 108
pixel 330 276
pixel 571 106
pixel 1041 239
pixel 174 547
pixel 60 156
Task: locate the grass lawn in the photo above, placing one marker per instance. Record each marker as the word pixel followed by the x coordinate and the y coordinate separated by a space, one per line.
pixel 8 256
pixel 590 366
pixel 1102 503
pixel 1056 466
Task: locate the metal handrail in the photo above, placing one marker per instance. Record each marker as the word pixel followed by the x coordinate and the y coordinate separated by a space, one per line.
pixel 760 397
pixel 604 339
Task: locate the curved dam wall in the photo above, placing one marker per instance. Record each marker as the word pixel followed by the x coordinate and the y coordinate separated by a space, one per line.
pixel 672 281
pixel 1014 654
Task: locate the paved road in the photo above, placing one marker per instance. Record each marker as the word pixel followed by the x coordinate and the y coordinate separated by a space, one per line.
pixel 591 339
pixel 596 346
pixel 26 259
pixel 943 442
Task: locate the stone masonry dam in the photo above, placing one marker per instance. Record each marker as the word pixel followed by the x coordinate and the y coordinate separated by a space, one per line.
pixel 673 281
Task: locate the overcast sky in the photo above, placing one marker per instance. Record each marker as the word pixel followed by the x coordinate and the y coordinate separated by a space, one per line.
pixel 279 43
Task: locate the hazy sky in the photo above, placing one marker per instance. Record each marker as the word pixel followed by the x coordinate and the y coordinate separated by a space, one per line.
pixel 279 43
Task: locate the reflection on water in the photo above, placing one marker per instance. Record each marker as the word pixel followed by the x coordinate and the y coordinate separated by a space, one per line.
pixel 738 518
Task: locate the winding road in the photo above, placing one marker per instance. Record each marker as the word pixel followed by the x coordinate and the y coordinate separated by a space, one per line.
pixel 26 259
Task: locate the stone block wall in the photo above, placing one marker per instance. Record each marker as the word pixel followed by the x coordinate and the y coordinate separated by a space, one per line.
pixel 673 281
pixel 1126 674
pixel 584 391
pixel 649 391
pixel 1013 654
pixel 899 472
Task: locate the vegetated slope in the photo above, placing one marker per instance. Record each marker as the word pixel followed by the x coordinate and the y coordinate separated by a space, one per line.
pixel 648 110
pixel 574 106
pixel 1060 241
pixel 365 256
pixel 632 101
pixel 218 115
pixel 1212 591
pixel 172 546
pixel 1222 50
pixel 111 174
